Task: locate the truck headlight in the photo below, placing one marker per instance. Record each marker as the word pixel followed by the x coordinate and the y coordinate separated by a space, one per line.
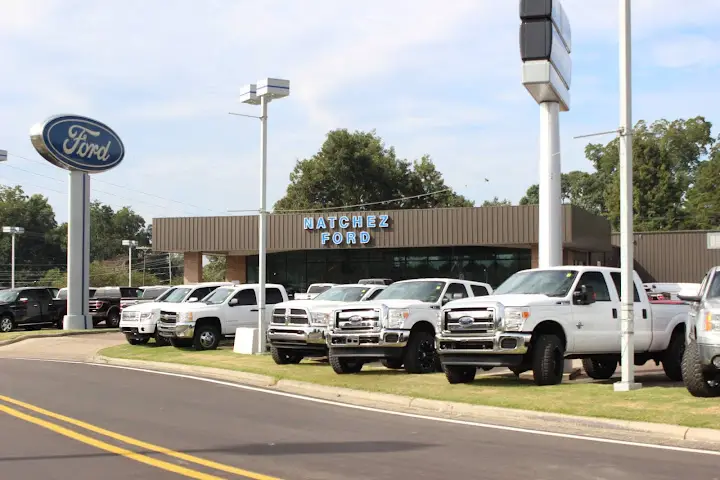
pixel 515 318
pixel 185 317
pixel 320 318
pixel 397 316
pixel 146 316
pixel 438 321
pixel 712 322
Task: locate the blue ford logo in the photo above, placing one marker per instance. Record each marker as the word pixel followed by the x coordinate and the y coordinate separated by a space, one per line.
pixel 77 143
pixel 355 319
pixel 466 321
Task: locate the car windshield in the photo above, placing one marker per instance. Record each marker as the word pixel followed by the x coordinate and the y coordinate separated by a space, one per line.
pixel 318 288
pixel 174 295
pixel 714 289
pixel 218 296
pixel 422 290
pixel 8 295
pixel 152 293
pixel 343 294
pixel 553 283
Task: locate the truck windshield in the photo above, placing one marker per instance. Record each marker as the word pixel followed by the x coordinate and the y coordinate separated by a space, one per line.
pixel 174 295
pixel 343 294
pixel 8 296
pixel 153 293
pixel 553 283
pixel 423 290
pixel 218 296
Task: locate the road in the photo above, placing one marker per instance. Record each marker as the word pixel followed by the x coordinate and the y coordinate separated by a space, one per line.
pixel 217 431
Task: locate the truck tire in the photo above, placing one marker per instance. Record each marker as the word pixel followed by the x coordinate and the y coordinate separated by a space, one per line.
pixel 181 342
pixel 113 319
pixel 459 374
pixel 284 357
pixel 137 341
pixel 548 360
pixel 420 354
pixel 696 380
pixel 207 337
pixel 6 324
pixel 160 341
pixel 599 368
pixel 342 365
pixel 673 356
pixel 392 363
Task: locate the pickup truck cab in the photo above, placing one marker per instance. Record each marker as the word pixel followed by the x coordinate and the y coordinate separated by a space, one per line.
pixel 313 291
pixel 139 322
pixel 701 361
pixel 204 323
pixel 30 308
pixel 297 328
pixel 397 327
pixel 539 317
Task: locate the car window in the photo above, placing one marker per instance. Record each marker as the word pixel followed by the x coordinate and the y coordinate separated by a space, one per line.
pixel 616 280
pixel 596 280
pixel 456 288
pixel 31 295
pixel 246 297
pixel 44 296
pixel 273 295
pixel 479 290
pixel 202 292
pixel 374 294
pixel 128 292
pixel 318 288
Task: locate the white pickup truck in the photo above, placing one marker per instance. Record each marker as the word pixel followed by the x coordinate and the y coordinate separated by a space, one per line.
pixel 203 324
pixel 539 317
pixel 297 328
pixel 138 322
pixel 313 291
pixel 397 327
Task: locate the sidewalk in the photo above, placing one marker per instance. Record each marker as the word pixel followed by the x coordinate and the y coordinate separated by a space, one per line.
pixel 80 348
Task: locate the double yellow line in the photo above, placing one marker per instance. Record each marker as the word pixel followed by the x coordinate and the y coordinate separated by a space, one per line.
pixel 138 457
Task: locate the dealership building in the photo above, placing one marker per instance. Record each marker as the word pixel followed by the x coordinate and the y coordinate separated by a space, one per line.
pixel 486 244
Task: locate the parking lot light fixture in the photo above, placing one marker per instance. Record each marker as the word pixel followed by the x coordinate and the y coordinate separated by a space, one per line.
pixel 13 231
pixel 130 244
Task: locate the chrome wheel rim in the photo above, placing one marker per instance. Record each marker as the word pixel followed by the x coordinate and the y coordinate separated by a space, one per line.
pixel 207 339
pixel 5 325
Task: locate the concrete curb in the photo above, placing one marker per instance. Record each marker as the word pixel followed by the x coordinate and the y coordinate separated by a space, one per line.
pixel 52 335
pixel 486 414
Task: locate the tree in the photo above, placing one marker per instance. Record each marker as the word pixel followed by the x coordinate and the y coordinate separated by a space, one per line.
pixel 215 270
pixel 103 274
pixel 356 168
pixel 703 198
pixel 109 228
pixel 496 202
pixel 577 188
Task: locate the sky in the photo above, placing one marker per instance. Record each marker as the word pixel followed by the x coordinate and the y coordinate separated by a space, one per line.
pixel 430 78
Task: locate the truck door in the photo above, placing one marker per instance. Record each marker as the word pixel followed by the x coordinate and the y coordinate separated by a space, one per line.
pixel 592 325
pixel 242 313
pixel 30 300
pixel 48 312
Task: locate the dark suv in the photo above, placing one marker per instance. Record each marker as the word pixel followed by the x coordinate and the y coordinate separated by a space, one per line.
pixel 31 308
pixel 105 304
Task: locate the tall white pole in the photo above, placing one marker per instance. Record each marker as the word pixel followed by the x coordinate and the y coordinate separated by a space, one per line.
pixel 130 265
pixel 262 221
pixel 550 209
pixel 77 317
pixel 12 261
pixel 627 343
pixel 170 268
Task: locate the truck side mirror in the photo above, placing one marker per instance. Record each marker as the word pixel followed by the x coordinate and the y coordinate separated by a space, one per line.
pixel 446 298
pixel 585 295
pixel 233 302
pixel 192 299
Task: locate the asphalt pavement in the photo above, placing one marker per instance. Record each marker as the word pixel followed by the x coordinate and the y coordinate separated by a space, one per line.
pixel 215 431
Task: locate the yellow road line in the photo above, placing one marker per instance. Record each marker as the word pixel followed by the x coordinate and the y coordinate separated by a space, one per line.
pixel 139 443
pixel 108 447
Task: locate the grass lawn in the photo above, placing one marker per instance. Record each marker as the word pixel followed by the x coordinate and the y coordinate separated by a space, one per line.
pixel 660 402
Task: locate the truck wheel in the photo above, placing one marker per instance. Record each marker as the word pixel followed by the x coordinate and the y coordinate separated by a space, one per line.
pixel 345 365
pixel 548 360
pixel 697 382
pixel 599 368
pixel 113 319
pixel 283 357
pixel 180 342
pixel 6 324
pixel 459 374
pixel 161 341
pixel 392 363
pixel 207 337
pixel 420 354
pixel 672 357
pixel 137 341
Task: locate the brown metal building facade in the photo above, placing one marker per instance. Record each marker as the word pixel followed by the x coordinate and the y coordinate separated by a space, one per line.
pixel 443 234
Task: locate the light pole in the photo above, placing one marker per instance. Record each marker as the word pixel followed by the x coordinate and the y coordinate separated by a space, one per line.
pixel 144 250
pixel 130 244
pixel 627 343
pixel 13 231
pixel 262 93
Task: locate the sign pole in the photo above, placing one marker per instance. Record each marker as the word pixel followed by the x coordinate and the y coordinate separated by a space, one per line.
pixel 550 209
pixel 262 220
pixel 78 281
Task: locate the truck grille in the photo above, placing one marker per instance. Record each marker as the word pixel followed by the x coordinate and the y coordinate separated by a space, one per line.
pixel 290 316
pixel 168 317
pixel 462 321
pixel 358 320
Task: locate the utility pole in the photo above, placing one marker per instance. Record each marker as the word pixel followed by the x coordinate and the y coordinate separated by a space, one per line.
pixel 130 244
pixel 13 231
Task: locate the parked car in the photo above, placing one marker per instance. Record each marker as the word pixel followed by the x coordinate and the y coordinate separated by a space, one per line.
pixel 297 328
pixel 105 304
pixel 139 322
pixel 313 291
pixel 29 307
pixel 701 359
pixel 539 317
pixel 205 323
pixel 397 327
pixel 61 302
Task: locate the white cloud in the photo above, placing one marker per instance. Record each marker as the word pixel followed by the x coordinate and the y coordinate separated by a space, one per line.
pixel 686 51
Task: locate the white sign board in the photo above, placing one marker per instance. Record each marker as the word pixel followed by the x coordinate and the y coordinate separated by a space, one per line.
pixel 713 240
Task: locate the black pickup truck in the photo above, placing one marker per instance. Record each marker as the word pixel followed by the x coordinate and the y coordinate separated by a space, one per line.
pixel 31 308
pixel 105 304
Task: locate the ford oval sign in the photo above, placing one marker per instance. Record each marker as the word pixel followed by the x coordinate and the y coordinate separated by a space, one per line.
pixel 79 143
